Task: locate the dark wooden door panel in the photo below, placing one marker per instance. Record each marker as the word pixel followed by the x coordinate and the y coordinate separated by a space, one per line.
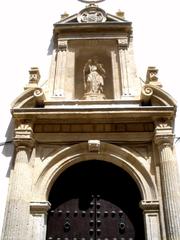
pixel 90 207
pixel 101 219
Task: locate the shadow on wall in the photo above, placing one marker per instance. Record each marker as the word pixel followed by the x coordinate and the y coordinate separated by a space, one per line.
pixel 51 47
pixel 8 149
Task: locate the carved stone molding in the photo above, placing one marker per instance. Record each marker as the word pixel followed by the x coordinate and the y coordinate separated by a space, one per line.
pixel 94 128
pixel 62 45
pixel 164 133
pixel 146 94
pixel 92 14
pixel 164 124
pixel 39 97
pixel 39 207
pixel 149 205
pixel 123 42
pixel 24 135
pixel 164 141
pixel 94 145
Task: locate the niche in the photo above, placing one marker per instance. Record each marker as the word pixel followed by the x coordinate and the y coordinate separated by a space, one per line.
pixel 93 70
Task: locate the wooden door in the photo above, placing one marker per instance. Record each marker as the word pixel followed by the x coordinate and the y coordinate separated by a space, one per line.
pixel 95 201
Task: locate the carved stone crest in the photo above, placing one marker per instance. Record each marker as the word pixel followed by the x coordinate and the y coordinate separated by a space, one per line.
pixel 92 14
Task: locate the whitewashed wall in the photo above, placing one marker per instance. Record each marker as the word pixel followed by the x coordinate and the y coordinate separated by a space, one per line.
pixel 26 31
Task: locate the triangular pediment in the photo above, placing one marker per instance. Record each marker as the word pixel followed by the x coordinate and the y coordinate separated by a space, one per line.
pixel 108 18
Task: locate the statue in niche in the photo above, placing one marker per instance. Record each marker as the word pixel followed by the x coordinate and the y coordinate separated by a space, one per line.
pixel 94 75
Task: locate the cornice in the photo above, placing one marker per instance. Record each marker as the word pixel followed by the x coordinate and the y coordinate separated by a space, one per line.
pixel 123 26
pixel 73 112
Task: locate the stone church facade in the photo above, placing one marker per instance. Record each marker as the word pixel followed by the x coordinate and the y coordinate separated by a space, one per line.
pixel 94 155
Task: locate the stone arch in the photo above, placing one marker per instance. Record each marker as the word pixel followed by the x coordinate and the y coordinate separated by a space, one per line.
pixel 120 156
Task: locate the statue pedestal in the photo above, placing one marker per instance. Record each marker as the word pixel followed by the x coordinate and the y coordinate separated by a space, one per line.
pixel 94 96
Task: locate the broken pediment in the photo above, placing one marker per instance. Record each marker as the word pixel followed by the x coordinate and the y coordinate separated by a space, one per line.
pixel 152 93
pixel 33 95
pixel 155 96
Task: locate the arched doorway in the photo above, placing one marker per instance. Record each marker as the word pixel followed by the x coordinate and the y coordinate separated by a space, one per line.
pixel 95 200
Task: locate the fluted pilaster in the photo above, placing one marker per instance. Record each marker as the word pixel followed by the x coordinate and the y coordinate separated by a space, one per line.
pixel 60 68
pixel 122 47
pixel 130 84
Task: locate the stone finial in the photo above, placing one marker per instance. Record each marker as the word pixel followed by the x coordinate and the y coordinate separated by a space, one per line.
pixel 152 78
pixel 34 77
pixel 120 14
pixel 64 15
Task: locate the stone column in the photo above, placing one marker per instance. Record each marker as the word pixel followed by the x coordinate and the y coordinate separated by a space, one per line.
pixel 60 72
pixel 16 224
pixel 169 180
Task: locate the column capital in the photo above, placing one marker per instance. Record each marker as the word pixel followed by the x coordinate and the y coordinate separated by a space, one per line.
pixel 164 140
pixel 23 135
pixel 123 42
pixel 164 132
pixel 62 45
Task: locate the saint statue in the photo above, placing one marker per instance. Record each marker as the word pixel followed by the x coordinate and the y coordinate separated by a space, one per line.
pixel 94 75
